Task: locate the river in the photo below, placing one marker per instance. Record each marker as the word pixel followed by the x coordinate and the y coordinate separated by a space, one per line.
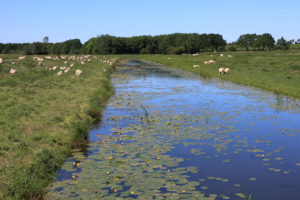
pixel 168 133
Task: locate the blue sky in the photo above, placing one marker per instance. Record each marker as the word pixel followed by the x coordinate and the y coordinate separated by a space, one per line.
pixel 31 20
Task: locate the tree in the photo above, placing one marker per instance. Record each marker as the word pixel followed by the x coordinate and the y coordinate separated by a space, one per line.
pixel 265 41
pixel 46 39
pixel 282 44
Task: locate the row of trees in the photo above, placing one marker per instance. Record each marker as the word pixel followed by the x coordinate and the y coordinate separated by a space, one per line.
pixel 39 48
pixel 105 44
pixel 261 42
pixel 177 43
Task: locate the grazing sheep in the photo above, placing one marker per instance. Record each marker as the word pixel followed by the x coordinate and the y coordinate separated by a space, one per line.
pixel 206 63
pixel 47 68
pixel 78 72
pixel 229 56
pixel 20 58
pixel 1 60
pixel 221 71
pixel 59 73
pixel 89 60
pixel 13 71
pixel 65 62
pixel 35 58
pixel 48 57
pixel 54 68
pixel 61 68
pixel 211 61
pixel 72 65
pixel 66 70
pixel 40 59
pixel 13 63
pixel 226 70
pixel 221 55
pixel 196 66
pixel 82 62
pixel 40 63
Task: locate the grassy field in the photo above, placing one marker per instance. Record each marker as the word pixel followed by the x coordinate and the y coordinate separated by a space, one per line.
pixel 277 71
pixel 43 116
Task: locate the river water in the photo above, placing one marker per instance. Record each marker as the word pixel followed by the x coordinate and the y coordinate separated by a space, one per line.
pixel 171 134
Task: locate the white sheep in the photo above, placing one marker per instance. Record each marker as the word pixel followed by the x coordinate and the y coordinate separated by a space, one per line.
pixel 196 66
pixel 78 72
pixel 40 63
pixel 13 63
pixel 221 55
pixel 221 71
pixel 72 65
pixel 89 60
pixel 59 73
pixel 226 70
pixel 211 61
pixel 1 60
pixel 229 56
pixel 13 71
pixel 206 63
pixel 54 68
pixel 20 58
pixel 62 68
pixel 82 62
pixel 65 62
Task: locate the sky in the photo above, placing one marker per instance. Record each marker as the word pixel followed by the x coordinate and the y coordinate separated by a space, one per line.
pixel 31 20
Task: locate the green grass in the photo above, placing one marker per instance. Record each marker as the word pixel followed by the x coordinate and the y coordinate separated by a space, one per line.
pixel 43 116
pixel 274 71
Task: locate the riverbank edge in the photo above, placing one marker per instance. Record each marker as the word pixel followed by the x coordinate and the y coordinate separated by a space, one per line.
pixel 31 182
pixel 269 87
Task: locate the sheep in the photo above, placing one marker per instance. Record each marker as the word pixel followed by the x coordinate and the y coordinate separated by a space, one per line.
pixel 40 63
pixel 229 56
pixel 66 70
pixel 206 63
pixel 54 68
pixel 82 62
pixel 221 71
pixel 72 65
pixel 40 59
pixel 13 63
pixel 13 71
pixel 65 62
pixel 20 58
pixel 211 61
pixel 89 60
pixel 1 60
pixel 34 58
pixel 59 73
pixel 226 70
pixel 61 68
pixel 221 55
pixel 196 66
pixel 48 57
pixel 78 72
pixel 47 68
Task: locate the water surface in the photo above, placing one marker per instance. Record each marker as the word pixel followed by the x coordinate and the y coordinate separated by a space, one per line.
pixel 168 133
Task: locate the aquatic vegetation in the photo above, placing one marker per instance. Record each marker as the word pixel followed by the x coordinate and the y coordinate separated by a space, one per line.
pixel 199 137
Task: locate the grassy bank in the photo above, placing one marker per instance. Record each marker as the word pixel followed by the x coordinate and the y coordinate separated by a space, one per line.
pixel 43 116
pixel 277 71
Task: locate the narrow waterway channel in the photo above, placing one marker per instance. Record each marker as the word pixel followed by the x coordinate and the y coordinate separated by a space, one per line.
pixel 171 134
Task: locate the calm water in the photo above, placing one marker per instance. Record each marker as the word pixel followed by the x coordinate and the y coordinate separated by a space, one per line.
pixel 168 133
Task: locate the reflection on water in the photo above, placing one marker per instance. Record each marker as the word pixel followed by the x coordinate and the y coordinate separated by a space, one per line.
pixel 172 134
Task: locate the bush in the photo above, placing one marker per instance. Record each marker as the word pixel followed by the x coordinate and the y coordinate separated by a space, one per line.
pixel 144 51
pixel 232 48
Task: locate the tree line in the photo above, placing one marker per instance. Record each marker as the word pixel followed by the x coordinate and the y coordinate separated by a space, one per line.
pixel 176 43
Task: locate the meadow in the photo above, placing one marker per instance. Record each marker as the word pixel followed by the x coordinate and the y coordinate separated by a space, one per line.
pixel 43 116
pixel 277 71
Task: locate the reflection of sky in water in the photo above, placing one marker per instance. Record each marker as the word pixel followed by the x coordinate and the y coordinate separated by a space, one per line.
pixel 261 120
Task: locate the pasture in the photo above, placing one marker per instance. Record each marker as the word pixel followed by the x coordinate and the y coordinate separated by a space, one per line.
pixel 43 116
pixel 276 71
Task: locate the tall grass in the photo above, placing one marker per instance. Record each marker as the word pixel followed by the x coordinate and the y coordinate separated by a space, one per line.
pixel 43 116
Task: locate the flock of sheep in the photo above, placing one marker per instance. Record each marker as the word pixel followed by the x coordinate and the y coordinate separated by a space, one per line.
pixel 221 70
pixel 78 72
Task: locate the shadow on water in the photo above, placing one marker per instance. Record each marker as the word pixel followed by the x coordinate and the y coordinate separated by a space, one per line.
pixel 168 133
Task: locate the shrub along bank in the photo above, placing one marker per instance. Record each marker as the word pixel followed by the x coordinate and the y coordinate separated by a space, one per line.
pixel 43 116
